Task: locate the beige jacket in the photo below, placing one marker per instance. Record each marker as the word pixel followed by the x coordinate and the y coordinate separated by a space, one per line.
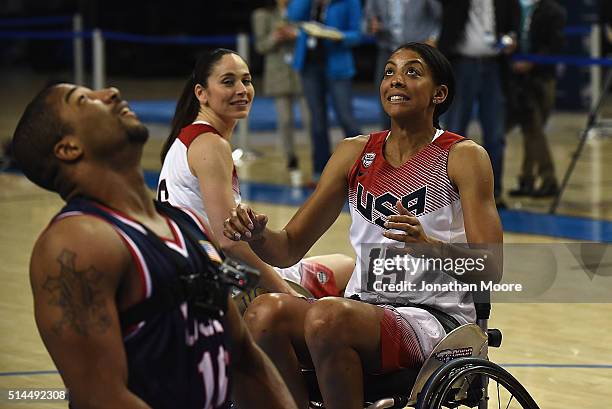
pixel 279 78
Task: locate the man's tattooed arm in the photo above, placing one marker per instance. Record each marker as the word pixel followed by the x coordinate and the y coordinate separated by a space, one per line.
pixel 77 294
pixel 79 266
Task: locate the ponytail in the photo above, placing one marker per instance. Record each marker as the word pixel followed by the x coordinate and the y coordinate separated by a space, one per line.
pixel 186 111
pixel 188 105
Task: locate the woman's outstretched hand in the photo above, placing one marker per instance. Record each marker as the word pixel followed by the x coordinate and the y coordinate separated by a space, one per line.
pixel 244 224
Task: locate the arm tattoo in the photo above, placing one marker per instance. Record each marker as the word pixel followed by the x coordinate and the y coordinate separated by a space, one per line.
pixel 78 296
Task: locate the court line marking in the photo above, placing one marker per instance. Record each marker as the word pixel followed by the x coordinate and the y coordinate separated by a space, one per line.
pixel 28 373
pixel 510 365
pixel 513 221
pixel 575 366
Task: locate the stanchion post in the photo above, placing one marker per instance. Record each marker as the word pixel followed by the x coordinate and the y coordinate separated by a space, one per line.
pixel 595 46
pixel 242 46
pixel 77 49
pixel 98 60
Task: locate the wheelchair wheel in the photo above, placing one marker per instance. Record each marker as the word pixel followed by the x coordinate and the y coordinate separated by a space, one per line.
pixel 462 382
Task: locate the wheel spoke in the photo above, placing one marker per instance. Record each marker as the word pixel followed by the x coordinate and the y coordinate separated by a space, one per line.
pixel 449 389
pixel 508 405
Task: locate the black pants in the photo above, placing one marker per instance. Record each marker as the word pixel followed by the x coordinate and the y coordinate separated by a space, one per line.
pixel 529 105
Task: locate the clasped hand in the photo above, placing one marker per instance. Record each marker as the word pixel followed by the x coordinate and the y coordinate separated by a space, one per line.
pixel 244 224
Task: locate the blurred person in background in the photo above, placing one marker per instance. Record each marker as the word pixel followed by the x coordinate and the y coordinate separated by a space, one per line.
pixel 606 20
pixel 396 22
pixel 275 39
pixel 325 62
pixel 477 36
pixel 531 94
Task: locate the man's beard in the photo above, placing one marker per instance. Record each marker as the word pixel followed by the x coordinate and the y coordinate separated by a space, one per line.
pixel 137 133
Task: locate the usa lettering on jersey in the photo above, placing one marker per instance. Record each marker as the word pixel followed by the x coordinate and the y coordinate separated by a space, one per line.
pixel 384 205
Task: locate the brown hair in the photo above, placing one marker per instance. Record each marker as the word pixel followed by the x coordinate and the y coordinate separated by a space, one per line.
pixel 188 105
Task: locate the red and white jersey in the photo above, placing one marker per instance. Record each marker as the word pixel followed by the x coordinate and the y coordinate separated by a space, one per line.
pixel 177 185
pixel 424 188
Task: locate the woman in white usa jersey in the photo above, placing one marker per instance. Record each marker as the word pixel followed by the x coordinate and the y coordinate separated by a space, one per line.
pixel 412 185
pixel 198 171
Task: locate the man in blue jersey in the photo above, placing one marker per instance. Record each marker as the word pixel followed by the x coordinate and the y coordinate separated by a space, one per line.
pixel 109 272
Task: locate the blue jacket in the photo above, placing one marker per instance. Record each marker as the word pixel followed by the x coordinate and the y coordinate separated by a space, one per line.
pixel 344 15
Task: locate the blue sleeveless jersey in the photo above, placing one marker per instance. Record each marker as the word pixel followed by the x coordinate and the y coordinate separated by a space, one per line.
pixel 175 360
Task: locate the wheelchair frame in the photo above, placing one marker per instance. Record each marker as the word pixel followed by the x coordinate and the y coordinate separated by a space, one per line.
pixel 462 353
pixel 443 378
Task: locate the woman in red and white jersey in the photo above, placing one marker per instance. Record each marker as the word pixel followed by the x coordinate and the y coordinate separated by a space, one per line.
pixel 415 184
pixel 198 171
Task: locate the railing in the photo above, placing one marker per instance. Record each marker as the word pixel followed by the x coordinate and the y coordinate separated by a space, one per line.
pixel 241 43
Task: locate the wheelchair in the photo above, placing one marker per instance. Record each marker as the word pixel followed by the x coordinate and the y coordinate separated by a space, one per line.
pixel 457 373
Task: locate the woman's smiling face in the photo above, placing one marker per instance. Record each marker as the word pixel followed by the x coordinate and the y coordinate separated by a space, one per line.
pixel 229 92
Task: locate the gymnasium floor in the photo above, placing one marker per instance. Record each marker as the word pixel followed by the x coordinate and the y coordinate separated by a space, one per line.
pixel 561 352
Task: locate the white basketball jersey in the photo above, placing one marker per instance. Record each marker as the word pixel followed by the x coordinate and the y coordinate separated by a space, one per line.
pixel 177 185
pixel 423 186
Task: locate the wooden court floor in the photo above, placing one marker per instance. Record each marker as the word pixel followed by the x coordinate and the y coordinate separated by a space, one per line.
pixel 544 340
pixel 561 352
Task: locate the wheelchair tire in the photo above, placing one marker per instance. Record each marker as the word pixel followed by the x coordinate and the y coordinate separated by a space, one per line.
pixel 440 389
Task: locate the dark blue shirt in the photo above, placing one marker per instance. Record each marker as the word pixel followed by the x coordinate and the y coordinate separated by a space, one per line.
pixel 178 358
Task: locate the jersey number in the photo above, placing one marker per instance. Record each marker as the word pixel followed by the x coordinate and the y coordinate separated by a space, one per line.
pixel 389 275
pixel 162 191
pixel 206 369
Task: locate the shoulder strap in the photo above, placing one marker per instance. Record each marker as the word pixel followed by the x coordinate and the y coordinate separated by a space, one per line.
pixel 192 131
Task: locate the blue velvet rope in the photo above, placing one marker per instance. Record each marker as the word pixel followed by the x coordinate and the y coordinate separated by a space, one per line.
pixel 564 59
pixel 58 20
pixel 35 21
pixel 148 39
pixel 44 35
pixel 231 39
